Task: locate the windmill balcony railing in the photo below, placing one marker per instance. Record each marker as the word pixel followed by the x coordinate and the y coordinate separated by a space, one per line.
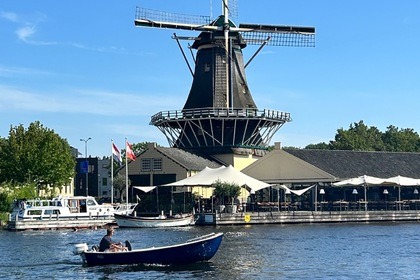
pixel 201 113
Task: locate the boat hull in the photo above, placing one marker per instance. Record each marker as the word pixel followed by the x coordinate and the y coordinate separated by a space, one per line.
pixel 62 223
pixel 196 250
pixel 143 222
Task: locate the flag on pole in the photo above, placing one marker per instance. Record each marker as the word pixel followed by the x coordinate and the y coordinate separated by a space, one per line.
pixel 116 153
pixel 129 151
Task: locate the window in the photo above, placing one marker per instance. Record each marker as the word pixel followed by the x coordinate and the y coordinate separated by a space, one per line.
pixel 157 164
pixel 151 164
pixel 104 181
pixel 34 212
pixel 146 164
pixel 51 212
pixel 91 203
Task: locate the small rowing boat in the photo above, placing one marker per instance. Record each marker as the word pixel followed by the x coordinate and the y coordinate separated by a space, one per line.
pixel 199 249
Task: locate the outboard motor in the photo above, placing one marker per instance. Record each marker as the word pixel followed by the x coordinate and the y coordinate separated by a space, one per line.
pixel 80 248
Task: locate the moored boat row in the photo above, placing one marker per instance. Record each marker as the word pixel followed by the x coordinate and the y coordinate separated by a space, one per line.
pixel 84 212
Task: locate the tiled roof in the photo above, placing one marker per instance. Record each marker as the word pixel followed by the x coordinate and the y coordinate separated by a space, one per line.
pixel 188 160
pixel 347 164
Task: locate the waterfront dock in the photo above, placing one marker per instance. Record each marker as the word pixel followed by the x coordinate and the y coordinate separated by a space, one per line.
pixel 306 217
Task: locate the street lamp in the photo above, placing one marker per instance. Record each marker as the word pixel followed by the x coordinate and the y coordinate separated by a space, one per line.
pixel 386 202
pixel 322 193
pixel 355 193
pixel 87 165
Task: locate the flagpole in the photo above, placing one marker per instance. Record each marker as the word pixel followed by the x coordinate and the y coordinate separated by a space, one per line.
pixel 112 171
pixel 126 172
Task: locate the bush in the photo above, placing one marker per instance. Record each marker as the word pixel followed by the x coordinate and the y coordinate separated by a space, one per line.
pixel 5 202
pixel 225 189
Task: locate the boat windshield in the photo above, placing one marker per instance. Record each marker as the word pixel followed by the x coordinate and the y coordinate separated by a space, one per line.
pixel 91 202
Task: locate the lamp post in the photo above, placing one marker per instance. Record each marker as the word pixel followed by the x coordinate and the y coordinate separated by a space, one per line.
pixel 355 193
pixel 322 193
pixel 386 194
pixel 87 165
pixel 287 202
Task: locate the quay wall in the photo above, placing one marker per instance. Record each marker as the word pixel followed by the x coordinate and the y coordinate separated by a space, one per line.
pixel 300 217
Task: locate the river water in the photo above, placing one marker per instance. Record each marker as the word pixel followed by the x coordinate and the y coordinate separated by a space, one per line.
pixel 317 251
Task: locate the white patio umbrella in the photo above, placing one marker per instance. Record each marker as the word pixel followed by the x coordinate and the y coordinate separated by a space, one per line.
pixel 401 181
pixel 364 181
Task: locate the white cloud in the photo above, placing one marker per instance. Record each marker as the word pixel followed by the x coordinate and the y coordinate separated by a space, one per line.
pixel 94 102
pixel 24 33
pixel 9 16
pixel 21 71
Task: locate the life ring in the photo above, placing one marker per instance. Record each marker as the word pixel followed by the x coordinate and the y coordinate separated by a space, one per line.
pixel 247 218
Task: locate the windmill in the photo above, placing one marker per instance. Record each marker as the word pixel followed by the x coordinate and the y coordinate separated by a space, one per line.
pixel 220 115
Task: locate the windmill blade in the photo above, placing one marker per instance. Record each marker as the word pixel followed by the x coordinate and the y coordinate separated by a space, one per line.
pixel 280 35
pixel 233 9
pixel 153 18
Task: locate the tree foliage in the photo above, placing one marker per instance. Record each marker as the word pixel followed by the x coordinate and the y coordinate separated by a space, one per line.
pixel 360 137
pixel 225 189
pixel 36 155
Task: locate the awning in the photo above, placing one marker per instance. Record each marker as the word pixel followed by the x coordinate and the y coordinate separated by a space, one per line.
pixel 145 188
pixel 208 176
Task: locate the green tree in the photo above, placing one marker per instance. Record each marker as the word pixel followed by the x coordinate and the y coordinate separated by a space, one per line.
pixel 401 140
pixel 319 146
pixel 37 155
pixel 119 184
pixel 358 137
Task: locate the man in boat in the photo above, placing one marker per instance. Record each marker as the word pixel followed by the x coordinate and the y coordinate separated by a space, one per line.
pixel 107 245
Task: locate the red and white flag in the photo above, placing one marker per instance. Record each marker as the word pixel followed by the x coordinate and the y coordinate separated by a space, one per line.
pixel 116 153
pixel 129 151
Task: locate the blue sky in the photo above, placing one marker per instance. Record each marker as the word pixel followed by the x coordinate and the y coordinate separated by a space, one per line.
pixel 84 70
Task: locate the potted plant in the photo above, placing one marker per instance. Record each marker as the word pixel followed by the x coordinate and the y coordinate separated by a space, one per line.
pixel 226 193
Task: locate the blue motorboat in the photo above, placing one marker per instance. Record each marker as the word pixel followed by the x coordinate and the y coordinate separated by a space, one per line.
pixel 199 249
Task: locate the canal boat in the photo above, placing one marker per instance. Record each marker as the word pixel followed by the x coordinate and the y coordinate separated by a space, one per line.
pixel 195 250
pixel 132 221
pixel 60 212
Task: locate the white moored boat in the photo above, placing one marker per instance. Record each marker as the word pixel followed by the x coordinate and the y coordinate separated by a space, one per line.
pixel 132 221
pixel 60 212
